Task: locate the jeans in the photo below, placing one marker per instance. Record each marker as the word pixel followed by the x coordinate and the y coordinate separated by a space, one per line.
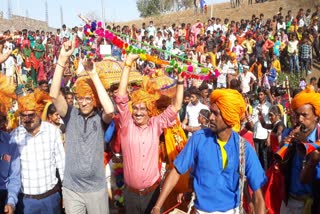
pixel 316 47
pixel 305 65
pixel 48 205
pixel 294 63
pixel 262 151
pixel 3 199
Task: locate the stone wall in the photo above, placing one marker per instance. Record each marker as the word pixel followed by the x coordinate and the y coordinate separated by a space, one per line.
pixel 20 22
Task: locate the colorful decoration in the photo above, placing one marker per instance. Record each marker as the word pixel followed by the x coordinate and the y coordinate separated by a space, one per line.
pixel 118 192
pixel 189 71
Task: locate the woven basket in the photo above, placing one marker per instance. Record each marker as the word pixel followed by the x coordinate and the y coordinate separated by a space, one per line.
pixel 113 70
pixel 162 82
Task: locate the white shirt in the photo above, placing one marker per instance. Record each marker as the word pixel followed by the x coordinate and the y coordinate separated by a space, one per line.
pixel 217 27
pixel 210 28
pixel 222 78
pixel 192 113
pixel 232 67
pixel 158 41
pixel 293 47
pixel 151 31
pixel 232 38
pixel 281 26
pixel 258 131
pixel 245 81
pixel 40 156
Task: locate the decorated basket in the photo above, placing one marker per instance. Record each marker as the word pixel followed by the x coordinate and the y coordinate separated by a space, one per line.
pixel 159 81
pixel 112 73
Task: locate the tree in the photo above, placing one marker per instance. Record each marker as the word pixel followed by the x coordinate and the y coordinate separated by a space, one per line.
pixel 148 7
pixel 184 4
pixel 156 7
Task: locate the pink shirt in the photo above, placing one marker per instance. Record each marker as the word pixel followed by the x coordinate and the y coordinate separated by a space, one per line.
pixel 140 146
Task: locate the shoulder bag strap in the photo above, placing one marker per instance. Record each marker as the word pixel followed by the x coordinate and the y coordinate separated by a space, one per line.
pixel 242 170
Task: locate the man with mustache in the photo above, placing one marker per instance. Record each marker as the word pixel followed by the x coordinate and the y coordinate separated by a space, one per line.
pixel 304 171
pixel 139 136
pixel 41 153
pixel 213 154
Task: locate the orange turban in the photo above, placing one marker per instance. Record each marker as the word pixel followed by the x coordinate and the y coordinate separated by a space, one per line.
pixel 231 105
pixel 7 94
pixel 307 96
pixel 142 96
pixel 151 93
pixel 84 87
pixel 35 101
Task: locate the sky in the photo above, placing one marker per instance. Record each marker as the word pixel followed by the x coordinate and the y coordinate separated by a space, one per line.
pixel 115 10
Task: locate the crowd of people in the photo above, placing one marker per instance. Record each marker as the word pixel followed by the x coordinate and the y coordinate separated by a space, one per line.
pixel 240 141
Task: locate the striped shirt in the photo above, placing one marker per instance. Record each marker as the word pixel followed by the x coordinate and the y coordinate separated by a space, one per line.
pixel 40 156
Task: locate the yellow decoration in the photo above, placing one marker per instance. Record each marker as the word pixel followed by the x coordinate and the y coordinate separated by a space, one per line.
pixel 175 140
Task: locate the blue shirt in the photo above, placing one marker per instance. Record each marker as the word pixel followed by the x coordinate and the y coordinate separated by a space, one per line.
pixel 9 168
pixel 296 187
pixel 217 189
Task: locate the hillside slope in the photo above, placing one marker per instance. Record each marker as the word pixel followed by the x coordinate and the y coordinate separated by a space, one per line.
pixel 223 10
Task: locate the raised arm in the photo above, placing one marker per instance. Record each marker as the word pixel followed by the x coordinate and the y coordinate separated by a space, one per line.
pixel 125 74
pixel 104 98
pixel 179 95
pixel 58 99
pixel 263 122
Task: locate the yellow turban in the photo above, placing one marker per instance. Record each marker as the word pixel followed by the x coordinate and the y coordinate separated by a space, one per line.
pixel 307 96
pixel 231 105
pixel 233 55
pixel 35 101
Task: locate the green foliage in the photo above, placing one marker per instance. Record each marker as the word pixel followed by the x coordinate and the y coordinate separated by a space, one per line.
pixel 184 4
pixel 148 7
pixel 294 79
pixel 155 7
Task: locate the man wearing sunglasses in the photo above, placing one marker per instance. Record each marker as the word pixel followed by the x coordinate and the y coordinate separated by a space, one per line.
pixel 84 189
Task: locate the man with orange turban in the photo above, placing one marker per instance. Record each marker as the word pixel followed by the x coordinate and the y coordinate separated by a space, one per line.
pixel 84 186
pixel 139 136
pixel 41 154
pixel 305 170
pixel 10 179
pixel 213 154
